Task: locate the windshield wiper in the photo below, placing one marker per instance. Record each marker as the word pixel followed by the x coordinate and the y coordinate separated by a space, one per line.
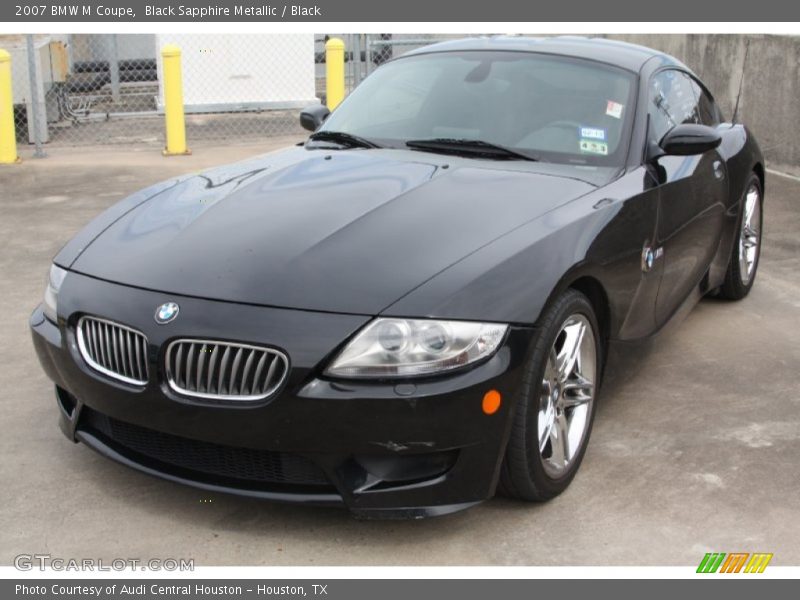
pixel 467 146
pixel 343 139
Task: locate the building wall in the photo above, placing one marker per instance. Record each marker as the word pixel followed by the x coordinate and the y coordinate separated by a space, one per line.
pixel 770 101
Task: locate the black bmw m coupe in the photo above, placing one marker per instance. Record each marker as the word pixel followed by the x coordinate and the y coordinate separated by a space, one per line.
pixel 411 310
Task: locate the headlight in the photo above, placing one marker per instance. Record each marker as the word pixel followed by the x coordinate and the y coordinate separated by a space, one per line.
pixel 54 281
pixel 409 347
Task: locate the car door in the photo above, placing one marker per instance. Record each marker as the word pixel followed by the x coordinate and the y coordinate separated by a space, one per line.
pixel 692 193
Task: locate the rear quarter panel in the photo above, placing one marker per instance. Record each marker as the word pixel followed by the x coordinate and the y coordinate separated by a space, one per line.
pixel 742 156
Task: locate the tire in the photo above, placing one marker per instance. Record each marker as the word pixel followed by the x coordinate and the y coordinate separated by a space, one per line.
pixel 529 469
pixel 739 277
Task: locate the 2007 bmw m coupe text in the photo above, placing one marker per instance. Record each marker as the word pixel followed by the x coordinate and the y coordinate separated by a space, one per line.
pixel 412 309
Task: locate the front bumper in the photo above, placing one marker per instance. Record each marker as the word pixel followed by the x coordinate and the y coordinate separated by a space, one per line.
pixel 383 449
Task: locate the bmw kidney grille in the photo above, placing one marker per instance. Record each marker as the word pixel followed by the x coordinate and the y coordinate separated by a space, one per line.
pixel 224 370
pixel 113 349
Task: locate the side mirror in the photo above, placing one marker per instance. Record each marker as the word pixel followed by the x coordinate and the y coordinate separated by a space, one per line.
pixel 689 139
pixel 313 116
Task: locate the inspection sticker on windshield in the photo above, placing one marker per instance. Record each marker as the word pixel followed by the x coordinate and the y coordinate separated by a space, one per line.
pixel 594 147
pixel 592 133
pixel 614 109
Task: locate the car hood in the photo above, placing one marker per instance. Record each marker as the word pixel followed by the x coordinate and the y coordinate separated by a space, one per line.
pixel 343 231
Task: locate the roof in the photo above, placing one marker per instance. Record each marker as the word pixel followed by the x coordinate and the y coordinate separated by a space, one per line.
pixel 625 55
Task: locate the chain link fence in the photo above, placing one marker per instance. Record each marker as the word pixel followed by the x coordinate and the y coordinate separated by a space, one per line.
pixel 365 52
pixel 104 89
pixel 84 89
pixel 30 66
pixel 98 89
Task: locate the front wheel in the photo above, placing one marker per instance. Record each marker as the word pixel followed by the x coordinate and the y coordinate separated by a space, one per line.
pixel 554 412
pixel 747 247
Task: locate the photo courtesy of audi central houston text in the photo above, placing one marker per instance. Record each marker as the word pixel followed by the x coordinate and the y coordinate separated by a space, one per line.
pixel 412 310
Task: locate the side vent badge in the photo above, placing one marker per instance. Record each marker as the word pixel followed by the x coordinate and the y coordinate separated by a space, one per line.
pixel 650 256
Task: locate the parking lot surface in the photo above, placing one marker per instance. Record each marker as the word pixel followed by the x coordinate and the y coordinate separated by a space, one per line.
pixel 696 446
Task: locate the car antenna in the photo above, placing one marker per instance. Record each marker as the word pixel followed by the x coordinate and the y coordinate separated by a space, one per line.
pixel 741 82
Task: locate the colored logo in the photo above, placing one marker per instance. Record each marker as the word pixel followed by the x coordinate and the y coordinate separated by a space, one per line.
pixel 166 312
pixel 734 562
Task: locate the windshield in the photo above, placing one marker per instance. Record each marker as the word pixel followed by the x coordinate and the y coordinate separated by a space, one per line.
pixel 550 107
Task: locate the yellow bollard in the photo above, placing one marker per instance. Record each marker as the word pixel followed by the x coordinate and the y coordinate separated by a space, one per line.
pixel 334 72
pixel 8 136
pixel 173 101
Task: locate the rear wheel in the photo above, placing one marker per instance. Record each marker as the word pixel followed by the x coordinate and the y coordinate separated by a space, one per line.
pixel 747 246
pixel 554 413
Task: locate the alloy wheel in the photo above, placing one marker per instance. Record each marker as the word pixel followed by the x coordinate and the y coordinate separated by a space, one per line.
pixel 749 235
pixel 567 393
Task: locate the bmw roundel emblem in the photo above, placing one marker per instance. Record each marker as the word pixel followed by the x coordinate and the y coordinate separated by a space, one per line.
pixel 650 256
pixel 649 259
pixel 166 313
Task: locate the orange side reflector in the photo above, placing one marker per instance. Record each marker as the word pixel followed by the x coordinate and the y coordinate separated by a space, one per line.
pixel 491 402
